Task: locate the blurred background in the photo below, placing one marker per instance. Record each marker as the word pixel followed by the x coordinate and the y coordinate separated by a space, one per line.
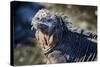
pixel 26 51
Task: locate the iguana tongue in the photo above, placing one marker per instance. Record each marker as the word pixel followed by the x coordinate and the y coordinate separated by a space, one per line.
pixel 49 39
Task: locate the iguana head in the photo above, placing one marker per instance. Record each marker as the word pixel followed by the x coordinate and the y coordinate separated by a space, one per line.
pixel 49 27
pixel 46 21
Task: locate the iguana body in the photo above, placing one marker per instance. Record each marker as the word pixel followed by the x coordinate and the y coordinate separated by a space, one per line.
pixel 61 41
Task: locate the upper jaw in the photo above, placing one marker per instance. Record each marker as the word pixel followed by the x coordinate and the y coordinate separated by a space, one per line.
pixel 45 29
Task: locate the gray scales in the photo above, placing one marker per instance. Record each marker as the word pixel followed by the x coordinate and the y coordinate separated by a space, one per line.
pixel 61 41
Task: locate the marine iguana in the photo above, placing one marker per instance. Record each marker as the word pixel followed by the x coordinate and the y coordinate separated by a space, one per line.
pixel 61 41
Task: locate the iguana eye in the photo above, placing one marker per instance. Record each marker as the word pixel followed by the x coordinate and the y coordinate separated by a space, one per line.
pixel 37 18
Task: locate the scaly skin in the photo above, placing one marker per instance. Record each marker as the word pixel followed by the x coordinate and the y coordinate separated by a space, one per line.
pixel 61 41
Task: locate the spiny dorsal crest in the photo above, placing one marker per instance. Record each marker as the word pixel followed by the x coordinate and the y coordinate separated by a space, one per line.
pixel 46 13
